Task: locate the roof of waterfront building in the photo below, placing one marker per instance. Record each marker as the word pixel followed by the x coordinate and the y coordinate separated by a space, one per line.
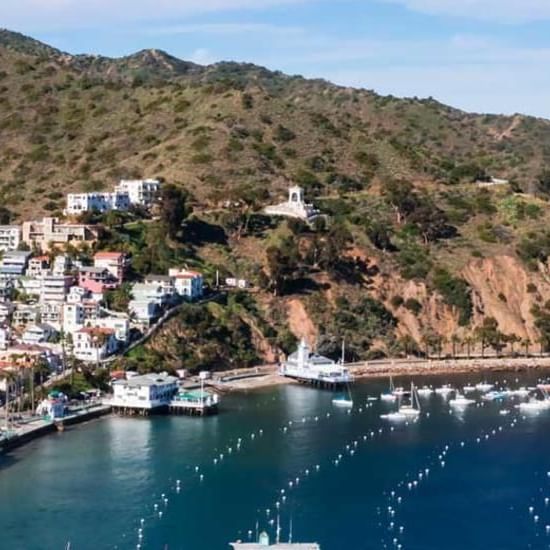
pixel 152 379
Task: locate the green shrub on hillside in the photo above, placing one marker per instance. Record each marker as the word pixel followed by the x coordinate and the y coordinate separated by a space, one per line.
pixel 456 292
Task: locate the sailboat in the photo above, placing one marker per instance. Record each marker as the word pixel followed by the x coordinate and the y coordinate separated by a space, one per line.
pixel 390 395
pixel 344 400
pixel 413 408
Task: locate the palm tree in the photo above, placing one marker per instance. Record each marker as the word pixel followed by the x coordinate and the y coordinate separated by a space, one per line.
pixel 454 341
pixel 469 340
pixel 526 343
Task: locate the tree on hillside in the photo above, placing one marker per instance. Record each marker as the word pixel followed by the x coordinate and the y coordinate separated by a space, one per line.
pixel 283 262
pixel 174 209
pixel 401 196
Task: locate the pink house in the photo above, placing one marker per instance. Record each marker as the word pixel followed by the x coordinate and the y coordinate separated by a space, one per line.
pixel 96 279
pixel 115 262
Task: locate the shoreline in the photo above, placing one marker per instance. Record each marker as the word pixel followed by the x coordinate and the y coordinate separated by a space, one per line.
pixel 378 369
pixel 247 380
pixel 44 427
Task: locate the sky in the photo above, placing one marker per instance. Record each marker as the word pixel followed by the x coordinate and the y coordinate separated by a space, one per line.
pixel 477 55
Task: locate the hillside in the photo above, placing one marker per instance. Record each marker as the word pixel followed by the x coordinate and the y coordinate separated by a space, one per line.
pixel 415 250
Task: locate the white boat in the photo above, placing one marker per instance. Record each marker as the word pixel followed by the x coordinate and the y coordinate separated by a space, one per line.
pixel 535 405
pixel 394 416
pixel 413 408
pixel 484 387
pixel 389 395
pixel 469 389
pixel 494 396
pixel 342 402
pixel 460 401
pixel 424 391
pixel 345 400
pixel 520 392
pixel 444 391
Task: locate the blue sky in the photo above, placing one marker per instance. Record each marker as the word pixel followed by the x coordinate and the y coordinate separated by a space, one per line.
pixel 478 55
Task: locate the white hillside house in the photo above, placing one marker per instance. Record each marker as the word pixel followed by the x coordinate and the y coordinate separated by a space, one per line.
pixel 294 207
pixel 140 192
pixel 96 202
pixel 10 237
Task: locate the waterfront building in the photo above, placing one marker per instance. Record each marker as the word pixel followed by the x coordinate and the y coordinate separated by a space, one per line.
pixel 140 192
pixel 294 207
pixel 144 393
pixel 115 262
pixel 10 237
pixel 308 366
pixel 50 232
pixel 14 263
pixel 96 202
pixel 53 406
pixel 94 343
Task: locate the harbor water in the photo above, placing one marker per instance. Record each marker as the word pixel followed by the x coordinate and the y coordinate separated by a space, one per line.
pixel 342 478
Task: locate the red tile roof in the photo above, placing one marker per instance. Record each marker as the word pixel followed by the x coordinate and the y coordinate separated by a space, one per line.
pixel 108 255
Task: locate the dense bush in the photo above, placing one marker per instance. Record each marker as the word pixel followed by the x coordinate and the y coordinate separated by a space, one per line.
pixel 456 292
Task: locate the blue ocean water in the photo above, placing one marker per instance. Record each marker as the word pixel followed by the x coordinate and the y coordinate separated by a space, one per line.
pixel 92 484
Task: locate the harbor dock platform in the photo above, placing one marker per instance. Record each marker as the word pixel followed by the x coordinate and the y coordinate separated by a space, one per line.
pixel 32 428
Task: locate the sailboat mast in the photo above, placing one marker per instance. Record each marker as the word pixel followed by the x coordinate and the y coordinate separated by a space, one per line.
pixel 343 351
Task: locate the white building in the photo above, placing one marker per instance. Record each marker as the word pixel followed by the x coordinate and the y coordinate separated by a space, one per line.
pixel 188 284
pixel 5 337
pixel 38 266
pixel 294 207
pixel 73 317
pixel 96 202
pixel 144 311
pixel 31 286
pixel 305 365
pixel 61 265
pixel 52 313
pixel 159 294
pixel 25 314
pixel 140 192
pixel 14 264
pixel 55 288
pixel 6 309
pixel 149 391
pixel 10 237
pixel 94 344
pixel 77 295
pixel 37 334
